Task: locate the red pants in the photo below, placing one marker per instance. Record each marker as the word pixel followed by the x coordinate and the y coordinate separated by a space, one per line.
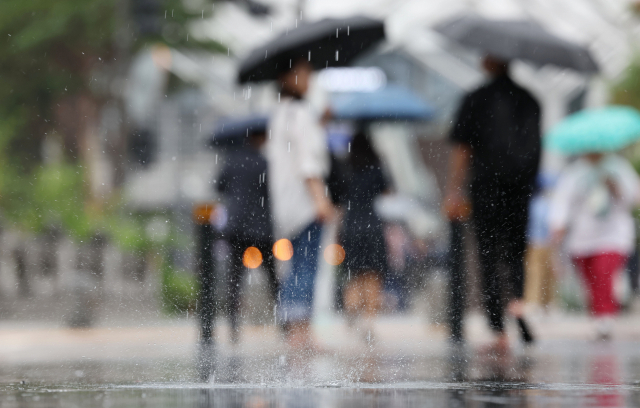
pixel 598 272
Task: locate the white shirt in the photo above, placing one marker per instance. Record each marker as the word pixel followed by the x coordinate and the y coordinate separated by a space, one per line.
pixel 595 221
pixel 296 151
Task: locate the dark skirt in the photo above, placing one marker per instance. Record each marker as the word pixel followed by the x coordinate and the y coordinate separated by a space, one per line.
pixel 365 250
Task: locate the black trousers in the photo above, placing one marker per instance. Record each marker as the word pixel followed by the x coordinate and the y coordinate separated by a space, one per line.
pixel 500 216
pixel 238 246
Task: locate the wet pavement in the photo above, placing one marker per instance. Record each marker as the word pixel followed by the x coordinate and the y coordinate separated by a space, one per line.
pixel 407 364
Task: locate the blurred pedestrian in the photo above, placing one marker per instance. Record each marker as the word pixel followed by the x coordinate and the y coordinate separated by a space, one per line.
pixel 495 156
pixel 243 184
pixel 591 211
pixel 298 163
pixel 361 234
pixel 539 287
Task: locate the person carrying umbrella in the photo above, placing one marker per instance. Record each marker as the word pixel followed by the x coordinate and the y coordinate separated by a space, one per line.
pixel 496 143
pixel 592 202
pixel 496 139
pixel 297 151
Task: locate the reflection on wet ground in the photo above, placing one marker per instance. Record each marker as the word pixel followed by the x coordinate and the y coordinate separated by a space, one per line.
pixel 554 374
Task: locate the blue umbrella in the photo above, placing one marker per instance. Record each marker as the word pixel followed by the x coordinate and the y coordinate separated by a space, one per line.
pixel 595 130
pixel 232 132
pixel 385 104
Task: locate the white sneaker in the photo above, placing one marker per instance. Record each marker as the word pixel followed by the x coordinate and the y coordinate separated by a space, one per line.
pixel 604 327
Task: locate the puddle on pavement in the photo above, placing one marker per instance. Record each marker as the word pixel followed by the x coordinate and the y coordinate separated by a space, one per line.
pixel 553 375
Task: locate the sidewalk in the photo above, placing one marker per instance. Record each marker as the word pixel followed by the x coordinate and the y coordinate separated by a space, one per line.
pixel 35 343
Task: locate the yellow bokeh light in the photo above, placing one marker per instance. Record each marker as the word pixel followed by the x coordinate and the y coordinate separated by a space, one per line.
pixel 334 254
pixel 283 249
pixel 252 258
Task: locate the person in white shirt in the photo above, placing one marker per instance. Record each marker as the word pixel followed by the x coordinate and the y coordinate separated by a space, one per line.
pixel 591 210
pixel 298 159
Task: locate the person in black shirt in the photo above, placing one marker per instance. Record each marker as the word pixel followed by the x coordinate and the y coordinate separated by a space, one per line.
pixel 243 184
pixel 494 161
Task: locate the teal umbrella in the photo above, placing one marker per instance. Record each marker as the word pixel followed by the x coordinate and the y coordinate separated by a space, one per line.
pixel 595 130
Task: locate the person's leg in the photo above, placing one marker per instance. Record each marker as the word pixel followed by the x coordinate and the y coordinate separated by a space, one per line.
pixel 548 289
pixel 583 266
pixel 534 275
pixel 603 270
pixel 353 299
pixel 457 281
pixel 372 289
pixel 296 294
pixel 488 258
pixel 269 265
pixel 236 270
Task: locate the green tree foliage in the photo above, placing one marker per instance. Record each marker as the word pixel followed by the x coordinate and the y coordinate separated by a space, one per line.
pixel 50 53
pixel 626 91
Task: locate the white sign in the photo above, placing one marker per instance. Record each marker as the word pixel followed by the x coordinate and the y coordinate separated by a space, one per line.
pixel 355 79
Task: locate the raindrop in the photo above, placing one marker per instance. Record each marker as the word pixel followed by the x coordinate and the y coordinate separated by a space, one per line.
pixel 337 55
pixel 216 159
pixel 296 278
pixel 347 30
pixel 337 32
pixel 165 14
pixel 349 148
pixel 309 55
pixel 288 147
pixel 278 102
pixel 249 280
pixel 349 205
pixel 171 13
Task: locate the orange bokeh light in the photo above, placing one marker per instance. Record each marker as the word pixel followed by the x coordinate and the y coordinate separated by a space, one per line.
pixel 283 249
pixel 252 258
pixel 334 254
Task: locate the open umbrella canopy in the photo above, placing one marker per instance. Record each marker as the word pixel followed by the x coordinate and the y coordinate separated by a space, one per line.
pixel 331 42
pixel 385 104
pixel 595 130
pixel 517 39
pixel 232 132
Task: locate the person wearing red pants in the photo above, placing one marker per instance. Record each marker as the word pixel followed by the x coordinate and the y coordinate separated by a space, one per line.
pixel 591 210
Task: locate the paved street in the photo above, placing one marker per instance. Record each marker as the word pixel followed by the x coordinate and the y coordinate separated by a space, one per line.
pixel 408 363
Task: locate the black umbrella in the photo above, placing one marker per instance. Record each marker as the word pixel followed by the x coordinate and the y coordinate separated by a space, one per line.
pixel 517 39
pixel 331 42
pixel 233 132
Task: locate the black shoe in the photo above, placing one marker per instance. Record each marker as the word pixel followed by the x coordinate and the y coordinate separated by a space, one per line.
pixel 527 335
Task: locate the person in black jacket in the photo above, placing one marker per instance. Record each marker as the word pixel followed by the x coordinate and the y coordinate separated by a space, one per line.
pixel 243 184
pixel 495 159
